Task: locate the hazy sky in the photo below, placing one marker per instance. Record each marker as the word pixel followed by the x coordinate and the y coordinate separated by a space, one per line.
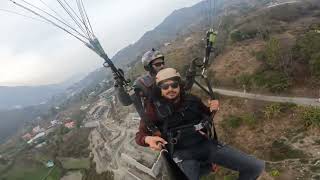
pixel 32 52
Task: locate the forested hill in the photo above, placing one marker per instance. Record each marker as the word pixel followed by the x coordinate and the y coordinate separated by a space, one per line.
pixel 179 22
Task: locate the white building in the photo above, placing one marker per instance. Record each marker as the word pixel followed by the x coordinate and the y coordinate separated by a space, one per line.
pixel 54 122
pixel 37 130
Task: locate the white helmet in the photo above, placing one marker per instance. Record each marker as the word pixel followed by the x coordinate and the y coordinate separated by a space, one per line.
pixel 150 56
pixel 167 73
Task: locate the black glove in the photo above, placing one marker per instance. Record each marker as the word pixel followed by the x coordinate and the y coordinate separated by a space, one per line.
pixel 117 80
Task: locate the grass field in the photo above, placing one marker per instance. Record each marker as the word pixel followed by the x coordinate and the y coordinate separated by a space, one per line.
pixel 75 163
pixel 55 174
pixel 30 171
pixel 22 172
pixel 3 167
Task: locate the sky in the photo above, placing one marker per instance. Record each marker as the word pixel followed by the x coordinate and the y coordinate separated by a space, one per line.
pixel 37 53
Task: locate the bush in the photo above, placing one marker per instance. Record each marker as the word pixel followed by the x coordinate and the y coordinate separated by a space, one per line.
pixel 281 151
pixel 275 173
pixel 272 53
pixel 272 110
pixel 307 51
pixel 275 81
pixel 311 116
pixel 243 35
pixel 63 130
pixel 307 46
pixel 278 82
pixel 261 56
pixel 244 79
pixel 314 65
pixel 284 107
pixel 79 116
pixel 236 36
pixel 249 119
pixel 233 121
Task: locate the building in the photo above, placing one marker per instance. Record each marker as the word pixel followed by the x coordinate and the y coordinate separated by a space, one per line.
pixel 54 122
pixel 50 164
pixel 70 124
pixel 135 116
pixel 27 137
pixel 37 130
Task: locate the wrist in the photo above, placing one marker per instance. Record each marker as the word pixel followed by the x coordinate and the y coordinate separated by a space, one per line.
pixel 145 140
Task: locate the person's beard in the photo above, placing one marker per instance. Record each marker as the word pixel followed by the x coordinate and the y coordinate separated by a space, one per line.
pixel 174 100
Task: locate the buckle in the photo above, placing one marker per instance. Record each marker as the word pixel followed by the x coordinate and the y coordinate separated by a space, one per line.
pixel 198 127
pixel 174 140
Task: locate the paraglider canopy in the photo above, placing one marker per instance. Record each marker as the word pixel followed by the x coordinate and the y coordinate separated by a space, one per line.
pixel 71 17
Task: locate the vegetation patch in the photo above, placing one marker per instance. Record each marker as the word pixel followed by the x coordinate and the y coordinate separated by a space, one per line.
pixel 20 171
pixel 79 116
pixel 317 142
pixel 244 81
pixel 249 119
pixel 238 35
pixel 307 45
pixel 275 109
pixel 235 121
pixel 311 116
pixel 232 121
pixel 315 64
pixel 273 80
pixel 73 163
pixel 211 176
pixel 306 51
pixel 276 74
pixel 55 174
pixel 304 161
pixel 281 151
pixel 274 173
pixel 272 110
pixel 315 169
pixel 91 174
pixel 74 144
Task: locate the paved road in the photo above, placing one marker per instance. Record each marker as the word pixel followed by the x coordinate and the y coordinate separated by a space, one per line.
pixel 283 3
pixel 296 100
pixel 91 124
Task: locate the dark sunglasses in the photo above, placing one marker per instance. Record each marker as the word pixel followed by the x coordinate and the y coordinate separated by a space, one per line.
pixel 158 64
pixel 166 86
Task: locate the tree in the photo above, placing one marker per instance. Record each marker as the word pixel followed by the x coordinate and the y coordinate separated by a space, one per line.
pixel 245 80
pixel 306 46
pixel 315 65
pixel 272 53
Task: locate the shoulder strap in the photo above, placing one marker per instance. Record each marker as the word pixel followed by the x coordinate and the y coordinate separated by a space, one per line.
pixel 144 83
pixel 189 103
